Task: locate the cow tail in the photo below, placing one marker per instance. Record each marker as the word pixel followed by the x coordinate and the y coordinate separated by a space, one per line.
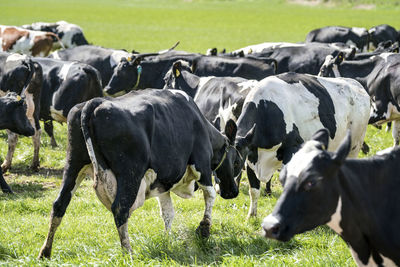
pixel 87 131
pixel 95 81
pixel 56 36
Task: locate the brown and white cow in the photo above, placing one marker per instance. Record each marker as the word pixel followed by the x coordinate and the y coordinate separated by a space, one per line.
pixel 29 42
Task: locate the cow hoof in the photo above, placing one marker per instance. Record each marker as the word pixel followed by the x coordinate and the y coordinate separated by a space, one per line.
pixel 268 191
pixel 7 191
pixel 44 253
pixel 34 167
pixel 5 167
pixel 365 148
pixel 204 229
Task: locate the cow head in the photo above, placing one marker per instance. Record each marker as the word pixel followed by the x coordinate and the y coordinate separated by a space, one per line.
pixel 13 115
pixel 330 66
pixel 180 77
pixel 18 73
pixel 227 163
pixel 311 189
pixel 125 77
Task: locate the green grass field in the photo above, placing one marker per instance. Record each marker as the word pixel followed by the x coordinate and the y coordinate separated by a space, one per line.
pixel 87 235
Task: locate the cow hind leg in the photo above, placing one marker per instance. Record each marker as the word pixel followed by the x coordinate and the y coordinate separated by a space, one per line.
pixel 166 209
pixel 72 178
pixel 3 184
pixel 12 144
pixel 36 146
pixel 129 197
pixel 254 192
pixel 48 127
pixel 396 132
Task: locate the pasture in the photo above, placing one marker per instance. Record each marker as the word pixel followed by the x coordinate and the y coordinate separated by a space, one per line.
pixel 87 235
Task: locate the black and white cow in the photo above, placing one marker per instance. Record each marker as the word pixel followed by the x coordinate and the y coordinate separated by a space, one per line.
pixel 13 111
pixel 382 33
pixel 71 35
pixel 145 144
pixel 380 76
pixel 65 84
pixel 357 198
pixel 102 59
pixel 358 37
pixel 303 58
pixel 21 75
pixel 283 111
pixel 218 98
pixel 149 72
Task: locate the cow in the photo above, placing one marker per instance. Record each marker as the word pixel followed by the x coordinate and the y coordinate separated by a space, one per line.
pixel 21 75
pixel 145 144
pixel 380 76
pixel 29 42
pixel 383 47
pixel 303 58
pixel 70 35
pixel 65 84
pixel 13 110
pixel 218 98
pixel 102 59
pixel 358 37
pixel 357 198
pixel 282 112
pixel 144 71
pixel 382 33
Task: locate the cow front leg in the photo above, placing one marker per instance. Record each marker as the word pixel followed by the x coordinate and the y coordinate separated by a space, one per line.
pixel 48 127
pixel 36 146
pixel 268 190
pixel 3 184
pixel 166 209
pixel 12 144
pixel 254 192
pixel 209 197
pixel 396 132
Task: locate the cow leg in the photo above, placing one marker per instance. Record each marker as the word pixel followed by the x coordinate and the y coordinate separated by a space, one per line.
pixel 396 132
pixel 48 127
pixel 3 184
pixel 268 190
pixel 166 209
pixel 74 173
pixel 254 192
pixel 129 197
pixel 12 144
pixel 209 198
pixel 36 146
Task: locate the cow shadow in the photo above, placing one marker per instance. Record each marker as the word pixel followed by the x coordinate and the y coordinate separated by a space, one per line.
pixel 5 253
pixel 214 250
pixel 22 169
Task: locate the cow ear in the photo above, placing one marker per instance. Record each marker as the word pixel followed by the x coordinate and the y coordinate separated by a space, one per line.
pixel 344 149
pixel 230 131
pixel 123 59
pixel 246 140
pixel 194 66
pixel 217 123
pixel 176 69
pixel 339 58
pixel 322 136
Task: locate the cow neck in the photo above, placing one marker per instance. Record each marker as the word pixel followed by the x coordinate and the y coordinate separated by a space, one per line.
pixel 358 70
pixel 355 217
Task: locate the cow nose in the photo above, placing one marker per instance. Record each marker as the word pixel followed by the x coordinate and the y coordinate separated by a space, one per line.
pixel 271 227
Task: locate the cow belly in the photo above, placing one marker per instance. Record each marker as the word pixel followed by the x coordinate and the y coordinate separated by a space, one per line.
pixel 267 163
pixel 185 187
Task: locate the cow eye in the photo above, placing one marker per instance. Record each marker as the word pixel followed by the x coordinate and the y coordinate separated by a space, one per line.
pixel 309 185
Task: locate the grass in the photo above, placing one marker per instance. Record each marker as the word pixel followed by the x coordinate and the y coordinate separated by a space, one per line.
pixel 87 235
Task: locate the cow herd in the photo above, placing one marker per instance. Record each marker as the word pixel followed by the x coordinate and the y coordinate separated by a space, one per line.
pixel 145 125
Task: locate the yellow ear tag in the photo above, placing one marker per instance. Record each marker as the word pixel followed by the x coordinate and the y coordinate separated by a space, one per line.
pixel 129 59
pixel 177 73
pixel 18 98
